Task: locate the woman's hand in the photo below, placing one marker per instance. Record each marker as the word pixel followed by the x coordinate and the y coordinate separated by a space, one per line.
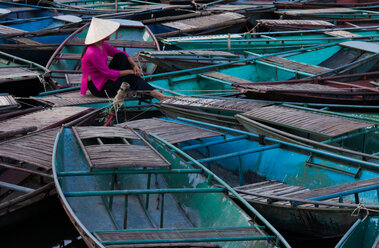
pixel 126 72
pixel 137 71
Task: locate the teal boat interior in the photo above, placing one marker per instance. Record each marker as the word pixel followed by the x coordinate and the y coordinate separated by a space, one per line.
pixel 147 196
pixel 343 58
pixel 243 158
pixel 364 233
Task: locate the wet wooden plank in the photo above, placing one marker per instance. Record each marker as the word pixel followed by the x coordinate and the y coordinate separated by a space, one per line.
pixel 326 125
pixel 35 148
pixel 170 131
pixel 291 64
pixel 43 119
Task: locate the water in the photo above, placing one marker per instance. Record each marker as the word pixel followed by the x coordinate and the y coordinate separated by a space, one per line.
pixel 49 229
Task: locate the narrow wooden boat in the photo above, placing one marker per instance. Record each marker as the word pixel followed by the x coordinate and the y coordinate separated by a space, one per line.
pixel 364 233
pixel 299 189
pixel 112 200
pixel 333 90
pixel 226 22
pixel 269 42
pixel 316 4
pixel 342 17
pixel 22 77
pixel 325 60
pixel 36 38
pixel 132 37
pixel 357 139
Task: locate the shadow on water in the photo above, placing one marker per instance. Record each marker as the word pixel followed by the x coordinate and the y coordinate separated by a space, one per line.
pixel 48 229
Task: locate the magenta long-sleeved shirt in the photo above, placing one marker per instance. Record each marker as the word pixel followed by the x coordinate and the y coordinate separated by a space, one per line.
pixel 94 64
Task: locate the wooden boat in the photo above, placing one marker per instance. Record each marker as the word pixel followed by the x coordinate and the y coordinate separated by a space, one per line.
pixel 364 233
pixel 226 22
pixel 132 37
pixel 22 77
pixel 184 59
pixel 356 138
pixel 36 38
pixel 269 42
pixel 333 90
pixel 299 189
pixel 316 4
pixel 342 17
pixel 325 60
pixel 112 200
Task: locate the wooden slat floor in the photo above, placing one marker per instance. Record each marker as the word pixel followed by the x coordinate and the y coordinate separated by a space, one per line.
pixel 225 77
pixel 341 33
pixel 276 188
pixel 322 124
pixel 204 21
pixel 35 148
pixel 320 23
pixel 291 64
pixel 119 153
pixel 192 53
pixel 72 98
pixel 7 100
pixel 16 72
pixel 42 119
pixel 170 131
pixel 298 87
pixel 215 103
pixel 315 11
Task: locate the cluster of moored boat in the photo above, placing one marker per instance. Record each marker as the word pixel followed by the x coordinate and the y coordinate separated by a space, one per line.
pixel 270 138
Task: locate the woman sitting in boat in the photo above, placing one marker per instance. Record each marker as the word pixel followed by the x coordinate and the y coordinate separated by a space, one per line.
pixel 103 80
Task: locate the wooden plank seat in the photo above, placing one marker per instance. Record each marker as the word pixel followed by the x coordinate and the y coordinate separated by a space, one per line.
pixel 225 77
pixel 309 23
pixel 215 103
pixel 120 152
pixel 180 235
pixel 73 79
pixel 118 43
pixel 326 192
pixel 254 192
pixel 306 121
pixel 290 87
pixel 7 101
pixel 291 64
pixel 76 56
pixel 16 72
pixel 191 53
pixel 22 40
pixel 170 131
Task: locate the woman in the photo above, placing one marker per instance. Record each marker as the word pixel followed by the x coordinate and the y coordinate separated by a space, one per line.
pixel 103 80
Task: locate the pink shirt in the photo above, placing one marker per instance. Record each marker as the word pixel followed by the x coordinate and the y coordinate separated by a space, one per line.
pixel 95 65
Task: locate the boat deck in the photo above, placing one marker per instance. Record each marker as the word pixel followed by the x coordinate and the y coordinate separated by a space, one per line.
pixel 118 43
pixel 43 119
pixel 290 87
pixel 105 153
pixel 170 131
pixel 72 98
pixel 262 191
pixel 310 23
pixel 7 102
pixel 35 148
pixel 9 73
pixel 192 53
pixel 22 40
pixel 215 103
pixel 316 123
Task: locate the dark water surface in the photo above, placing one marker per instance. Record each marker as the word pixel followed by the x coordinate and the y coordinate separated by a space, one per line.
pixel 52 229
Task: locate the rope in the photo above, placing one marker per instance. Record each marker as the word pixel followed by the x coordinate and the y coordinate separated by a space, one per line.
pixel 360 207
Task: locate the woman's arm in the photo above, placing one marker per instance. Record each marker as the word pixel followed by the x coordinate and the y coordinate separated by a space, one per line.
pixel 137 71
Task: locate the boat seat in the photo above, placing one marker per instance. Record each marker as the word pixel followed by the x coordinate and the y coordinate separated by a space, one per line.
pixel 73 79
pixel 119 43
pixel 312 69
pixel 10 73
pixel 225 77
pixel 120 149
pixel 22 40
pixel 177 236
pixel 329 191
pixel 76 56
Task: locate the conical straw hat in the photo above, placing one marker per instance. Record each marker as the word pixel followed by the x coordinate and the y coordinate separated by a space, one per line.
pixel 100 29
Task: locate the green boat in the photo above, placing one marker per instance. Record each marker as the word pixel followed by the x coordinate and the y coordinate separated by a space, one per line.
pixel 21 77
pixel 146 197
pixel 302 191
pixel 343 58
pixel 132 37
pixel 320 129
pixel 270 42
pixel 364 234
